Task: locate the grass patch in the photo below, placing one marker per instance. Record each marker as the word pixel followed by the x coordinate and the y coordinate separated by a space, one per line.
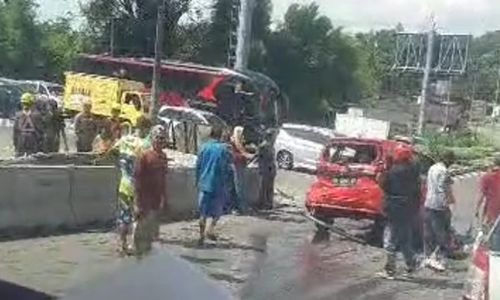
pixel 468 147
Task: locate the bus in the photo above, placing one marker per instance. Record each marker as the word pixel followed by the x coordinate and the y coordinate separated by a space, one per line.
pixel 244 98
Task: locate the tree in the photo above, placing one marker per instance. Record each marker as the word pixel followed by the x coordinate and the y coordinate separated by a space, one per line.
pixel 224 19
pixel 134 24
pixel 261 22
pixel 480 81
pixel 312 61
pixel 60 46
pixel 19 39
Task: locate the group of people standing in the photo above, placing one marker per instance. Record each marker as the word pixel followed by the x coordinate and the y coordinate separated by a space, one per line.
pixel 402 187
pixel 38 127
pixel 220 170
pixel 143 164
pixel 220 167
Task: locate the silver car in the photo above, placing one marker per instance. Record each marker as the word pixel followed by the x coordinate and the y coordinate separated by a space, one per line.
pixel 179 122
pixel 300 146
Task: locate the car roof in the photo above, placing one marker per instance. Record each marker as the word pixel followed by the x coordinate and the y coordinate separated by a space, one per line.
pixel 201 114
pixel 185 109
pixel 315 129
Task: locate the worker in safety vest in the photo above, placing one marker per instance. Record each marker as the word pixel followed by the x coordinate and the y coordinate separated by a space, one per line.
pixel 28 128
pixel 86 128
pixel 115 123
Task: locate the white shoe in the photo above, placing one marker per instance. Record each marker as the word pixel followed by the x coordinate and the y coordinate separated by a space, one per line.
pixel 435 265
pixel 386 275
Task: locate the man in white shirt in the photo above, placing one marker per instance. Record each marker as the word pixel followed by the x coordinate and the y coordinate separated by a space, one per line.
pixel 437 215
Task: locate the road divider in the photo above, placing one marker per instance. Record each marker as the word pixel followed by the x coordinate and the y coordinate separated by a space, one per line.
pixel 49 199
pixel 38 198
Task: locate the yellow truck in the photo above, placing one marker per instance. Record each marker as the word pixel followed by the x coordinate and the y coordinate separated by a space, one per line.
pixel 104 93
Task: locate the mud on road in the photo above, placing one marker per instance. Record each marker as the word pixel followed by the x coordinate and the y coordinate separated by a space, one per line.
pixel 268 256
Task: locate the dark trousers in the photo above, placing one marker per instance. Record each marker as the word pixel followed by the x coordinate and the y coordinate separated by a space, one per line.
pixel 399 236
pixel 266 192
pixel 27 144
pixel 239 188
pixel 437 226
pixel 83 147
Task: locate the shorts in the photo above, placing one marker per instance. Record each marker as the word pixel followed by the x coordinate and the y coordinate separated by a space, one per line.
pixel 125 210
pixel 210 205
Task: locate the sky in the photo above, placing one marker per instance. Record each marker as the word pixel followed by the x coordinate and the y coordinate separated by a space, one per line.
pixel 452 16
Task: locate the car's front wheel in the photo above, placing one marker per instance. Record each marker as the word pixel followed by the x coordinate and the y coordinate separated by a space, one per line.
pixel 284 160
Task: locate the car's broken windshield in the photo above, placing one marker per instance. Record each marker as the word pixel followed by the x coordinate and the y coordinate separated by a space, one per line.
pixel 352 154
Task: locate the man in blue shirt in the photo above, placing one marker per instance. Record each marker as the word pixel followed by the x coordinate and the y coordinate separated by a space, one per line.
pixel 213 169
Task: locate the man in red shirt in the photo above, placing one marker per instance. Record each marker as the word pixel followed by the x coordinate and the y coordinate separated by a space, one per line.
pixel 150 185
pixel 490 195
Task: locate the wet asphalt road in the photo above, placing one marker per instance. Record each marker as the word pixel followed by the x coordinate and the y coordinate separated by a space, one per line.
pixel 269 256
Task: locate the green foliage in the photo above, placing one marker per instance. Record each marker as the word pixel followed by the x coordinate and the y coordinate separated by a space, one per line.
pixel 29 49
pixel 134 23
pixel 466 147
pixel 480 81
pixel 19 39
pixel 60 46
pixel 312 61
pixel 216 42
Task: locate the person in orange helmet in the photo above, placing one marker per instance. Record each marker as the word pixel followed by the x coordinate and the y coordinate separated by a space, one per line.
pixel 401 187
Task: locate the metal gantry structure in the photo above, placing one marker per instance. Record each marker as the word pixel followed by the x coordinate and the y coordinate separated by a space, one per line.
pixel 432 54
pixel 449 53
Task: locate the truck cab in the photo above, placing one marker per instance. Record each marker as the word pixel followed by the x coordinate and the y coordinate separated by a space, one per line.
pixel 133 104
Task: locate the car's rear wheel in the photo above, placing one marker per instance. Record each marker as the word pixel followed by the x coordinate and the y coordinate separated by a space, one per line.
pixel 284 160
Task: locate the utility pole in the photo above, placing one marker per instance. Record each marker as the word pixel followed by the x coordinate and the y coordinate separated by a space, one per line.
pixel 112 37
pixel 497 91
pixel 244 34
pixel 160 36
pixel 448 102
pixel 425 80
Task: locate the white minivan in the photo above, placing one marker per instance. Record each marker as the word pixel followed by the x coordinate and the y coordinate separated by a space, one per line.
pixel 300 146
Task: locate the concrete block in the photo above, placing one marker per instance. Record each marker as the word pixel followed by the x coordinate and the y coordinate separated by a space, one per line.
pixel 94 193
pixel 181 192
pixel 37 197
pixel 8 208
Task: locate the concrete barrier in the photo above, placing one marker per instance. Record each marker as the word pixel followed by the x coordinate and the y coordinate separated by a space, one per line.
pixel 49 197
pixel 183 194
pixel 94 191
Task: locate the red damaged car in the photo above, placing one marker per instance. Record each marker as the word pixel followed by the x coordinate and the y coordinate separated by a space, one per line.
pixel 346 185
